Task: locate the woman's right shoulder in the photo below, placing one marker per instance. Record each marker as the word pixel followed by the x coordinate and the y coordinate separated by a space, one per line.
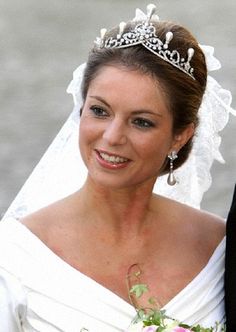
pixel 45 222
pixel 41 222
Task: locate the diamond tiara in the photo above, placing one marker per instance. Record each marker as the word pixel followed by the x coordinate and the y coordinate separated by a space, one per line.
pixel 145 34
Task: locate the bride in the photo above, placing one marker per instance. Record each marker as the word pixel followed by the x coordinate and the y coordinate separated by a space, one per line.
pixel 68 256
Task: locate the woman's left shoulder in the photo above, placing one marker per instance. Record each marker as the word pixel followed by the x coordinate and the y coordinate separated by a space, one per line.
pixel 205 224
pixel 196 222
pixel 205 219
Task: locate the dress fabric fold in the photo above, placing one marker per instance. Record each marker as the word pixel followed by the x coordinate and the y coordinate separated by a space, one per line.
pixel 41 292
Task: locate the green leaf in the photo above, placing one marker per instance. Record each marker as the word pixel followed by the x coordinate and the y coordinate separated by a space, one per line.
pixel 139 289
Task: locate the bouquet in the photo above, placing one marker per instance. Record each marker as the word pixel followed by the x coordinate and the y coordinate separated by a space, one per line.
pixel 156 320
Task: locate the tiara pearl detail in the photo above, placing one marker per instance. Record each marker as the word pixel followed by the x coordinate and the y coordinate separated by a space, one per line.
pixel 145 34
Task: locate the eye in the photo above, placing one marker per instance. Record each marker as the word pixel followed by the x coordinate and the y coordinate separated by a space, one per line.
pixel 143 123
pixel 98 111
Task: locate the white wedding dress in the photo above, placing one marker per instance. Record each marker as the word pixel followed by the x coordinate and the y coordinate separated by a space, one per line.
pixel 41 292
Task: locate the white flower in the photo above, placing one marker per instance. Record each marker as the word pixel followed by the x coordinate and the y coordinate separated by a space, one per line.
pixel 170 324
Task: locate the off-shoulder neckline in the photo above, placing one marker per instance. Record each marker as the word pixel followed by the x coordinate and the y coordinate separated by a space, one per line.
pixel 55 259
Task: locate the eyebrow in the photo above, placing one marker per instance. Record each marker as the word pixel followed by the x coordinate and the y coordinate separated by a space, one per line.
pixel 141 111
pixel 101 99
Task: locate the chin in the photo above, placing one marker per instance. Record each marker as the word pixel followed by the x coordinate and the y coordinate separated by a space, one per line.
pixel 109 182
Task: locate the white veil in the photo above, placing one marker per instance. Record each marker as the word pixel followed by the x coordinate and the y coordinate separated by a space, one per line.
pixel 61 171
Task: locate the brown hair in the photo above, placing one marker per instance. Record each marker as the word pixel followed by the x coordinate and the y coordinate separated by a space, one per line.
pixel 184 93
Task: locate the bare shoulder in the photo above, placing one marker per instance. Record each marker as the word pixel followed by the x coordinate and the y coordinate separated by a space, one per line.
pixel 195 223
pixel 208 223
pixel 41 222
pixel 48 220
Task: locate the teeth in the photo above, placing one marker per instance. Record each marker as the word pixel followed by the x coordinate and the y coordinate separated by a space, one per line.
pixel 112 159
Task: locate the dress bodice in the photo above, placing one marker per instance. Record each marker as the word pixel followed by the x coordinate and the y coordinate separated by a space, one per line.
pixel 47 294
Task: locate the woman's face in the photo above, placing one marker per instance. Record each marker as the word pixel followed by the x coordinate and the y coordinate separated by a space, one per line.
pixel 125 128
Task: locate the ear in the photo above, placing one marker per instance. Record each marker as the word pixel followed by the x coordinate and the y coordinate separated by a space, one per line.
pixel 182 138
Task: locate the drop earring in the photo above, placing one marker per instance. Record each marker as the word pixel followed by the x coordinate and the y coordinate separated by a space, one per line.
pixel 171 180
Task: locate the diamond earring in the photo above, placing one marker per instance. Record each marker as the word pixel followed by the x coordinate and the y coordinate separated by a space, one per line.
pixel 171 180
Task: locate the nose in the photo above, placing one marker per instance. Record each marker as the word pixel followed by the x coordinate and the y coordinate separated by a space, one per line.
pixel 115 133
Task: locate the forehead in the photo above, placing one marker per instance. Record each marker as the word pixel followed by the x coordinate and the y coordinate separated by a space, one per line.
pixel 123 84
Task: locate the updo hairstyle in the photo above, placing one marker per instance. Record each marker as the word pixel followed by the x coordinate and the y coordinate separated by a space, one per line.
pixel 184 94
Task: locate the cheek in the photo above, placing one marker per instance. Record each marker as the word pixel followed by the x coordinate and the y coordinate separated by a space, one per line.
pixel 84 137
pixel 89 134
pixel 154 147
pixel 153 152
pixel 86 130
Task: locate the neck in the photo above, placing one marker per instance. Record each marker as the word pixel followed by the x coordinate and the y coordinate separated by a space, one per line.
pixel 123 210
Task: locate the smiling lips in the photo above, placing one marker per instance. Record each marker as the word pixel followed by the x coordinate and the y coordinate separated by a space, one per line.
pixel 110 160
